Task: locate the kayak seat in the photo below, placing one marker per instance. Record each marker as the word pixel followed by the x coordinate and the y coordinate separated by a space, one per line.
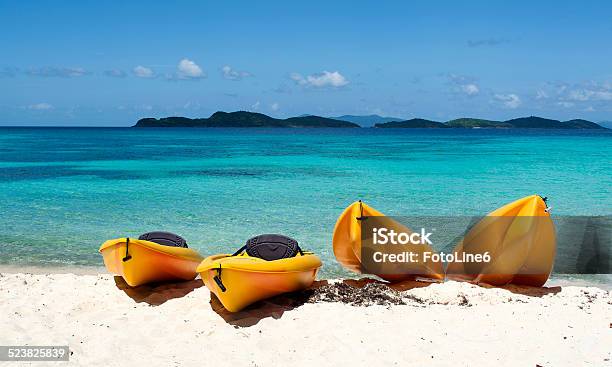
pixel 271 247
pixel 164 239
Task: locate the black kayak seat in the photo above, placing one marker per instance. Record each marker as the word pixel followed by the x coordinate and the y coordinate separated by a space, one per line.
pixel 164 238
pixel 271 247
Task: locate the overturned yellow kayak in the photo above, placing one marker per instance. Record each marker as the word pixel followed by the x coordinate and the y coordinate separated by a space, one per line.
pixel 241 280
pixel 520 240
pixel 141 261
pixel 347 245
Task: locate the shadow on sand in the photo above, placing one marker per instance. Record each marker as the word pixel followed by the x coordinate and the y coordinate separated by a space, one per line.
pixel 350 291
pixel 157 293
pixel 272 307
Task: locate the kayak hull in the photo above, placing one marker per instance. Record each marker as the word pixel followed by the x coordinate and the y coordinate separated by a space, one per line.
pixel 520 237
pixel 347 246
pixel 149 262
pixel 243 280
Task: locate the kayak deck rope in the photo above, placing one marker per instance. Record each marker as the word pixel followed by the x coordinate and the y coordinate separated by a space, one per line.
pixel 239 251
pixel 127 254
pixel 360 217
pixel 217 279
pixel 545 200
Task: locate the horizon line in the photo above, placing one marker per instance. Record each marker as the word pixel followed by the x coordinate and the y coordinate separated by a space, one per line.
pixel 2 125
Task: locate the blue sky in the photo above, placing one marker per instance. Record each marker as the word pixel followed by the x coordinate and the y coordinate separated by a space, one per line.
pixel 110 63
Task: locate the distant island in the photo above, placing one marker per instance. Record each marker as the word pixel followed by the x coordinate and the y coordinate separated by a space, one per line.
pixel 254 119
pixel 367 120
pixel 531 122
pixel 413 123
pixel 244 119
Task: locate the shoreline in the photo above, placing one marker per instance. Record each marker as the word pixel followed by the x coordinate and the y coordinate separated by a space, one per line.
pixel 352 322
pixel 52 269
pixel 602 281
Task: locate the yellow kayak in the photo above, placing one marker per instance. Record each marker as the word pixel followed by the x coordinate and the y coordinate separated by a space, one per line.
pixel 519 237
pixel 347 246
pixel 141 261
pixel 241 280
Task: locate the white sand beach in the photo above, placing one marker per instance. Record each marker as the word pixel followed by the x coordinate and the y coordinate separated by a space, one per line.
pixel 105 323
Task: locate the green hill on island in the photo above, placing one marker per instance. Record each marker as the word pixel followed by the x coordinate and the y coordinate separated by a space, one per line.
pixel 542 123
pixel 254 119
pixel 244 119
pixel 531 122
pixel 467 122
pixel 412 123
pixel 366 120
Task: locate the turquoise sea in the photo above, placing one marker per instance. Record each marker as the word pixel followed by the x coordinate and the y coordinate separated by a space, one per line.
pixel 63 191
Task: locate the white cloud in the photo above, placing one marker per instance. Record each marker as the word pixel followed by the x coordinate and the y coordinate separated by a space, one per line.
pixel 255 106
pixel 275 106
pixel 143 72
pixel 590 94
pixel 470 89
pixel 320 80
pixel 190 105
pixel 61 72
pixel 231 74
pixel 580 95
pixel 43 106
pixel 509 100
pixel 298 78
pixel 187 69
pixel 115 73
pixel 541 94
pixel 587 96
pixel 464 84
